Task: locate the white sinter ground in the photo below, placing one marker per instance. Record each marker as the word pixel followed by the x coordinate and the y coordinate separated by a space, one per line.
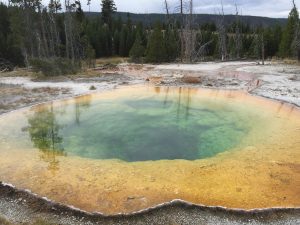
pixel 273 80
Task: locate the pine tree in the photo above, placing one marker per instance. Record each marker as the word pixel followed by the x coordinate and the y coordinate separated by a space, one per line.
pixel 156 50
pixel 271 40
pixel 171 43
pixel 11 35
pixel 123 38
pixel 231 48
pixel 277 32
pixel 93 30
pixel 285 49
pixel 138 50
pixel 4 28
pixel 107 41
pixel 116 42
pixel 296 42
pixel 130 35
pixel 254 49
pixel 108 9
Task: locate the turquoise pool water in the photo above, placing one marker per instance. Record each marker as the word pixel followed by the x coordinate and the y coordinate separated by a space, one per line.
pixel 152 124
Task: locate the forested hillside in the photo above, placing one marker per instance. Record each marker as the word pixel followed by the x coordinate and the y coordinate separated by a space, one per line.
pixel 199 19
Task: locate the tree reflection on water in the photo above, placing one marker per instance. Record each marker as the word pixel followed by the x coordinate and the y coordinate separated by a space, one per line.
pixel 44 133
pixel 183 101
pixel 81 103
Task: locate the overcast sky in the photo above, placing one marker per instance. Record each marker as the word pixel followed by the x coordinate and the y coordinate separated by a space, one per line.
pixel 269 8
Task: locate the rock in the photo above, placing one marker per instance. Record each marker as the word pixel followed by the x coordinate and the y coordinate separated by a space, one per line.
pixel 92 88
pixel 234 83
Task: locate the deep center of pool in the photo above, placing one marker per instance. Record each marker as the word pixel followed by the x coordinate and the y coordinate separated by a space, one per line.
pixel 152 125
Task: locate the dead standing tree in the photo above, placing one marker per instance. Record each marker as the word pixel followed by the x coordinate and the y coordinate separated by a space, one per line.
pixel 259 45
pixel 189 34
pixel 222 34
pixel 36 28
pixel 181 30
pixel 237 36
pixel 190 51
pixel 30 27
pixel 54 7
pixel 40 38
pixel 180 11
pixel 167 11
pixel 74 48
pixel 41 31
pixel 89 5
pixel 262 39
pixel 182 44
pixel 68 23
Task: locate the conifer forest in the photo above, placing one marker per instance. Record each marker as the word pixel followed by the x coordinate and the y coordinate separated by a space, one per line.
pixel 61 33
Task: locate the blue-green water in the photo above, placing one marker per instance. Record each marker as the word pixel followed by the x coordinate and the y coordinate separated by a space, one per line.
pixel 148 125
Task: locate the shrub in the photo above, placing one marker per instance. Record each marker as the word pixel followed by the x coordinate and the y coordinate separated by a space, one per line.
pixel 5 66
pixel 93 88
pixel 156 49
pixel 54 66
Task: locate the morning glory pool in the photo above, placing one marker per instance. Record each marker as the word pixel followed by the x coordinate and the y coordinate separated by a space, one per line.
pixel 135 147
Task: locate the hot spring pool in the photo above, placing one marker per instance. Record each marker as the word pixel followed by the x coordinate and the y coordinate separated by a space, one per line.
pixel 132 148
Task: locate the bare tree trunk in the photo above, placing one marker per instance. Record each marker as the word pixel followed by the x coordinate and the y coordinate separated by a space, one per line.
pixel 68 32
pixel 43 33
pixel 167 11
pixel 263 49
pixel 191 43
pixel 181 30
pixel 39 45
pixel 25 54
pixel 188 33
pixel 53 40
pixel 89 4
pixel 29 30
pixel 222 34
pixel 238 41
pixel 67 39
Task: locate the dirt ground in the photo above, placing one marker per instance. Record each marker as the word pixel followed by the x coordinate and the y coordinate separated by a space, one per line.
pixel 21 89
